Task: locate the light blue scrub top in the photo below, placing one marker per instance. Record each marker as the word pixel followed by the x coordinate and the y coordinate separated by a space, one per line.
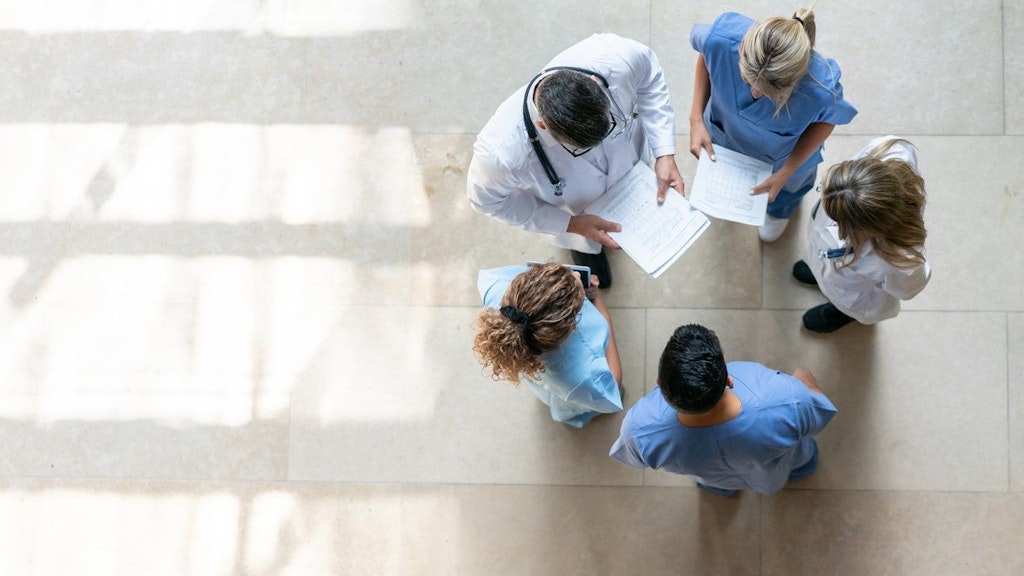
pixel 739 122
pixel 577 383
pixel 756 450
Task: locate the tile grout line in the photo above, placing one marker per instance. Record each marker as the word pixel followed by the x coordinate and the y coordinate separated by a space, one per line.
pixel 403 484
pixel 1009 415
pixel 1002 61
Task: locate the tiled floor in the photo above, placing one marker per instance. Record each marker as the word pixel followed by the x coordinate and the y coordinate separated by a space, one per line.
pixel 238 271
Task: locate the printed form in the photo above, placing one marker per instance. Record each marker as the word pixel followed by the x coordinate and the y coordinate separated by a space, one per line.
pixel 654 236
pixel 722 188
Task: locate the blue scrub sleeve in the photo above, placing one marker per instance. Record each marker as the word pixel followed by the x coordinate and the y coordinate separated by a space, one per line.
pixel 813 412
pixel 840 112
pixel 600 392
pixel 698 34
pixel 625 448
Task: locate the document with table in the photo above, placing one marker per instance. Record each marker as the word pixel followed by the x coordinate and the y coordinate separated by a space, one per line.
pixel 722 188
pixel 654 236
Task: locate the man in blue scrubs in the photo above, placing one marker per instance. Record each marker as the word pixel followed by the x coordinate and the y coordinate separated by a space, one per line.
pixel 735 426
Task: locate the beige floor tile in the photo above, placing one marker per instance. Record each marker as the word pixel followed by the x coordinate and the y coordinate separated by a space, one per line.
pixel 1013 65
pixel 973 219
pixel 906 422
pixel 144 389
pixel 418 54
pixel 140 207
pixel 869 533
pixel 454 242
pixel 670 40
pixel 720 270
pixel 311 529
pixel 147 528
pixel 781 290
pixel 970 242
pixel 451 70
pixel 155 77
pixel 891 94
pixel 895 429
pixel 550 530
pixel 1015 381
pixel 102 446
pixel 53 16
pixel 898 95
pixel 434 416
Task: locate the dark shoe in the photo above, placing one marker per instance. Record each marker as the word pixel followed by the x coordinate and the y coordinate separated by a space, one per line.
pixel 719 491
pixel 598 264
pixel 825 318
pixel 802 272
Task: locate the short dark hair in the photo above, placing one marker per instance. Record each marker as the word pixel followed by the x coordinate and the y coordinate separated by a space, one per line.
pixel 692 373
pixel 574 108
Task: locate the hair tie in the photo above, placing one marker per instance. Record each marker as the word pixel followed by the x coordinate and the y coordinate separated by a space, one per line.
pixel 517 316
pixel 800 20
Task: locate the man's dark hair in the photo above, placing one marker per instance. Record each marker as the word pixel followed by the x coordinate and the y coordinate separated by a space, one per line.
pixel 692 373
pixel 574 108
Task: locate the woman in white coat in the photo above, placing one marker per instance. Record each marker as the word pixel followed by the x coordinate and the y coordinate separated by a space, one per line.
pixel 865 246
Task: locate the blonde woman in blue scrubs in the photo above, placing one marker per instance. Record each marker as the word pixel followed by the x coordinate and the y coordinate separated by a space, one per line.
pixel 760 89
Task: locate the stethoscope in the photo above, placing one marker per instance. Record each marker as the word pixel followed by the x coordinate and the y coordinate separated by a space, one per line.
pixel 557 184
pixel 835 253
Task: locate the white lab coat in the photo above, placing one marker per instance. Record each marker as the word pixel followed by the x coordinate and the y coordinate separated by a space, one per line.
pixel 870 289
pixel 506 179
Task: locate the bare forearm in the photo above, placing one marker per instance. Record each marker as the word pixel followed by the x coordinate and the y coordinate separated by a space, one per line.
pixel 611 351
pixel 701 90
pixel 808 379
pixel 812 138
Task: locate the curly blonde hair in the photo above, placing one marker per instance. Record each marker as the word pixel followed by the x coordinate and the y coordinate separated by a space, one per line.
pixel 776 52
pixel 549 297
pixel 878 200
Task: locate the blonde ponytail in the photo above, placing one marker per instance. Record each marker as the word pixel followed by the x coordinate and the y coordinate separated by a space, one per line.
pixel 776 52
pixel 805 16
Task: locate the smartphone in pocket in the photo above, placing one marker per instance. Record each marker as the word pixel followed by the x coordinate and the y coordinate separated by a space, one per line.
pixel 583 270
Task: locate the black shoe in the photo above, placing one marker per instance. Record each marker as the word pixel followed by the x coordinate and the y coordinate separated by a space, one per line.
pixel 825 318
pixel 802 272
pixel 598 264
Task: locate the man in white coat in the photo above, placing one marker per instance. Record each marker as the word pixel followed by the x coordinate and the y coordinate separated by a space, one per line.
pixel 559 142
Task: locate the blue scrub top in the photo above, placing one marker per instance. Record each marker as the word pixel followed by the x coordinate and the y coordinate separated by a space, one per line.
pixel 739 122
pixel 757 450
pixel 577 383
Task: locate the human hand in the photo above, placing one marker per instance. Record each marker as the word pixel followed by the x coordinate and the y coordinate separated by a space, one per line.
pixel 808 379
pixel 594 228
pixel 772 185
pixel 668 176
pixel 700 138
pixel 591 291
